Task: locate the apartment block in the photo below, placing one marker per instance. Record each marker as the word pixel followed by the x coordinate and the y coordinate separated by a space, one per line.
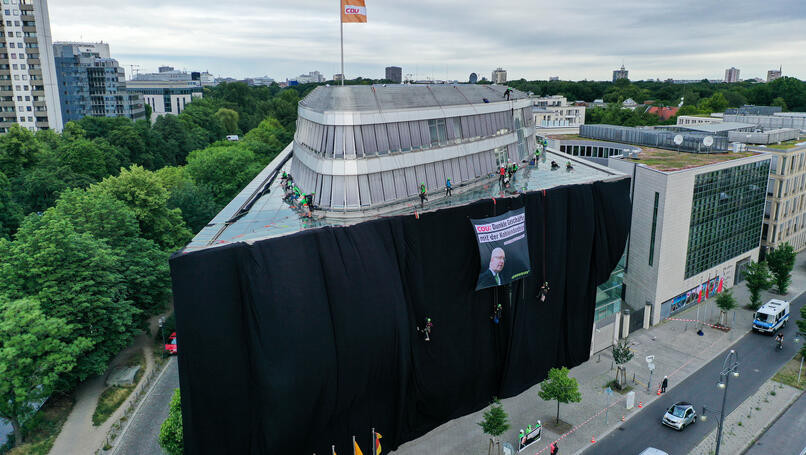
pixel 28 88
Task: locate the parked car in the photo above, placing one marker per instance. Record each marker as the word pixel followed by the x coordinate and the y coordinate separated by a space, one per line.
pixel 170 348
pixel 772 316
pixel 680 415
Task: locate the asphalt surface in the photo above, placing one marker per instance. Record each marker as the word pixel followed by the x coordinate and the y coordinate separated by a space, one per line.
pixel 786 435
pixel 142 436
pixel 759 361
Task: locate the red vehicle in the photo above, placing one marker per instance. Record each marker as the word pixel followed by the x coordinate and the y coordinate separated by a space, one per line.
pixel 171 346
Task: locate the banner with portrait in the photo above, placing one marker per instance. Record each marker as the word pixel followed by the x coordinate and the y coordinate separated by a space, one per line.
pixel 503 248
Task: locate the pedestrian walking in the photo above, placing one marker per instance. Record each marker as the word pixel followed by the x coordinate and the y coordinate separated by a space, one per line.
pixel 664 384
pixel 448 187
pixel 555 448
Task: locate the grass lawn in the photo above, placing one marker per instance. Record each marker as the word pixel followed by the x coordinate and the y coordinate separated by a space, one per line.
pixel 786 145
pixel 111 398
pixel 788 374
pixel 41 431
pixel 669 160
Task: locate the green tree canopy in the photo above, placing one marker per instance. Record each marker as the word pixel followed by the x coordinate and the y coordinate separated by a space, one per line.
pixel 229 119
pixel 143 192
pixel 171 434
pixel 34 351
pixel 224 169
pixel 495 421
pixel 560 387
pixel 757 279
pixel 781 262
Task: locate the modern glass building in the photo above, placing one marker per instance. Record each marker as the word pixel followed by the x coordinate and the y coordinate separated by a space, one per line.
pixel 696 223
pixel 93 84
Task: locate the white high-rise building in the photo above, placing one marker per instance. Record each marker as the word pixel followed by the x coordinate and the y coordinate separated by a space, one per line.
pixel 29 92
pixel 732 75
pixel 499 76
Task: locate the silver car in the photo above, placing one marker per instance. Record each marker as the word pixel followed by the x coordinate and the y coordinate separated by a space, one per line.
pixel 680 415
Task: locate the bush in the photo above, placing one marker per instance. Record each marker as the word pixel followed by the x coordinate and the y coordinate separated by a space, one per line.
pixel 171 430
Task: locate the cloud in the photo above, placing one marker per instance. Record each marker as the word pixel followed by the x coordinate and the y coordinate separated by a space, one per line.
pixel 582 39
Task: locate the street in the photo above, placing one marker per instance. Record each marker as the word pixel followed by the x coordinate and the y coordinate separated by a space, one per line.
pixel 758 362
pixel 141 437
pixel 786 434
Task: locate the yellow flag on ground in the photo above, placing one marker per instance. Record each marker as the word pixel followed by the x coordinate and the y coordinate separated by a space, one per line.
pixel 356 449
pixel 377 443
pixel 354 11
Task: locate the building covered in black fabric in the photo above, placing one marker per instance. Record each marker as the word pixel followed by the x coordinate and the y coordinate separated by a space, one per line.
pixel 299 333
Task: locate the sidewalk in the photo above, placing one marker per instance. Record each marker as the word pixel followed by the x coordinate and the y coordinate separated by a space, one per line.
pixel 748 421
pixel 678 353
pixel 78 435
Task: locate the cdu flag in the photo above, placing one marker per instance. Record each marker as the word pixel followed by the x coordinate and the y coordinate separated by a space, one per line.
pixel 353 11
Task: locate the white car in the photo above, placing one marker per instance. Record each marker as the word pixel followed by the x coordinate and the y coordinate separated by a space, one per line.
pixel 652 451
pixel 680 415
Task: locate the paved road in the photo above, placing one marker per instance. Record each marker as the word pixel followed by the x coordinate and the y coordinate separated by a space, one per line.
pixel 759 361
pixel 141 438
pixel 786 435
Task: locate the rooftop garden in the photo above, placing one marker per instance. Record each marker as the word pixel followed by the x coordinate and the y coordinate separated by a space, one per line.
pixel 788 144
pixel 669 160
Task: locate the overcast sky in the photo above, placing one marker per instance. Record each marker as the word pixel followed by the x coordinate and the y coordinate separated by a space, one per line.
pixel 533 39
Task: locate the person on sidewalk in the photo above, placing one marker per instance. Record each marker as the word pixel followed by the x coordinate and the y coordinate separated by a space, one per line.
pixel 448 188
pixel 664 384
pixel 555 448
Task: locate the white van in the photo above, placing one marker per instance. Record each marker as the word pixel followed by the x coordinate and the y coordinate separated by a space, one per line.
pixel 232 137
pixel 772 316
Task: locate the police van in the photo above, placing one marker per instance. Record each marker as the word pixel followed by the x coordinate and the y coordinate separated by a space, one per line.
pixel 772 316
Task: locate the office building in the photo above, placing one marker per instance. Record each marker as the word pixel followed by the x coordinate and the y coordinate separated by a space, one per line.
pixel 375 152
pixel 206 79
pixel 394 74
pixel 554 78
pixel 785 212
pixel 732 75
pixel 796 120
pixel 165 74
pixel 556 112
pixel 697 120
pixel 696 225
pixel 749 109
pixel 310 78
pixel 166 96
pixel 28 86
pixel 262 80
pixel 620 73
pixel 93 84
pixel 773 75
pixel 499 76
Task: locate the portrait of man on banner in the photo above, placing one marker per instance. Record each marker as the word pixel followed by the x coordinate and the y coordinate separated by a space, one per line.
pixel 503 249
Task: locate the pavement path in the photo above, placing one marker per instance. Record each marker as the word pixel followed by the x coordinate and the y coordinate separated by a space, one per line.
pixel 786 435
pixel 759 361
pixel 141 437
pixel 79 435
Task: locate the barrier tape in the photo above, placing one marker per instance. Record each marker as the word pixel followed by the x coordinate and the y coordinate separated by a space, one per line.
pixel 694 320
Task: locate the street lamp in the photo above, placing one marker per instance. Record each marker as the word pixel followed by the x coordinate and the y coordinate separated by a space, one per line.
pixel 162 329
pixel 730 367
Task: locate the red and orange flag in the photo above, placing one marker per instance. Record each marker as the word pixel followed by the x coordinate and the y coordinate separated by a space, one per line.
pixel 353 11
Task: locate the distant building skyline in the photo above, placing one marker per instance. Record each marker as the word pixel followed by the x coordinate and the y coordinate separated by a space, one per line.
pixel 620 73
pixel 732 75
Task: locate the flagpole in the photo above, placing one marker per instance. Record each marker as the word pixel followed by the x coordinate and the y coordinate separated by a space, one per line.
pixel 353 445
pixel 373 441
pixel 341 30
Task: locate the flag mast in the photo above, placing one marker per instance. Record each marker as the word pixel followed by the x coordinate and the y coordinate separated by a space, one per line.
pixel 341 27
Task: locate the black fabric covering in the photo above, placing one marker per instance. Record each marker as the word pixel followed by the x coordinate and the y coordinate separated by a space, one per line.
pixel 292 344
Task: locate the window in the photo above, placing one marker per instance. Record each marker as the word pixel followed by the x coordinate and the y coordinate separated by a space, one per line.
pixel 439 133
pixel 457 128
pixel 654 227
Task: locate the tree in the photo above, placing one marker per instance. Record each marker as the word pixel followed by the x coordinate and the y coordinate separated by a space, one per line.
pixel 757 278
pixel 495 422
pixel 802 329
pixel 226 169
pixel 196 203
pixel 18 149
pixel 229 119
pixel 725 302
pixel 143 192
pixel 560 387
pixel 10 211
pixel 171 429
pixel 34 351
pixel 779 102
pixel 621 355
pixel 75 277
pixel 781 261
